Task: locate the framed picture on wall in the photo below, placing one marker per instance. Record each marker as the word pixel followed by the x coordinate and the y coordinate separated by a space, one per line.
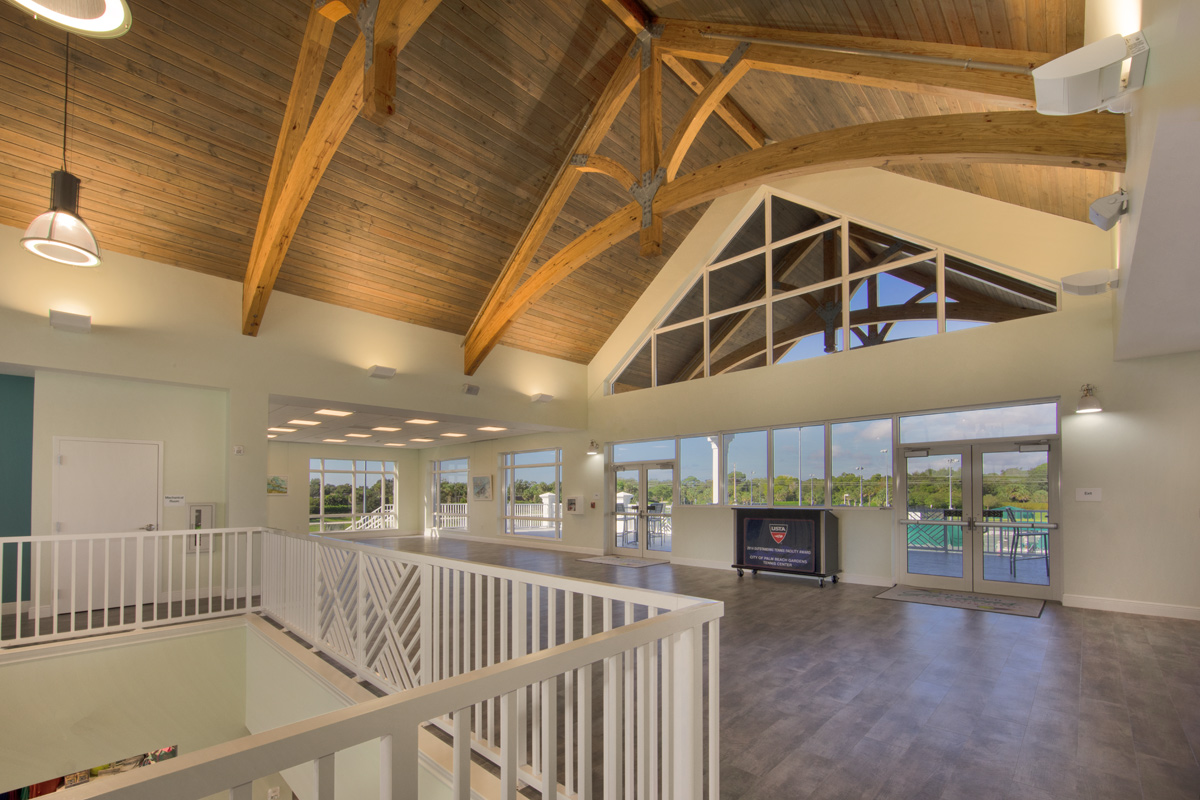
pixel 277 484
pixel 481 487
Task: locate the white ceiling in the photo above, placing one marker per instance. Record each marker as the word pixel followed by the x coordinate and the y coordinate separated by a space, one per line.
pixel 357 428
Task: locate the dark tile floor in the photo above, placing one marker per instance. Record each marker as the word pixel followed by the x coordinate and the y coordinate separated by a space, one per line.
pixel 831 693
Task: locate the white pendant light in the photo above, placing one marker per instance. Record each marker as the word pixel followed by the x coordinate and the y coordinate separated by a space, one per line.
pixel 99 19
pixel 59 234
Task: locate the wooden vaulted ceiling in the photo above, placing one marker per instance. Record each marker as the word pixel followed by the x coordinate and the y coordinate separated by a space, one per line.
pixel 173 128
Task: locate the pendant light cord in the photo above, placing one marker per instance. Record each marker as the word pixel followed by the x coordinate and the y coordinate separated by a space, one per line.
pixel 66 79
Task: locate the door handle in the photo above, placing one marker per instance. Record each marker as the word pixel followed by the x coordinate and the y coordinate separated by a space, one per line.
pixel 149 527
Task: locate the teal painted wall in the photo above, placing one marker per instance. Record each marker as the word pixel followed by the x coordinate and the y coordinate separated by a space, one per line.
pixel 16 473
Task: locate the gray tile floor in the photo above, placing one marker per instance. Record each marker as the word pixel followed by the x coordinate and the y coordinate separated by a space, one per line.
pixel 831 693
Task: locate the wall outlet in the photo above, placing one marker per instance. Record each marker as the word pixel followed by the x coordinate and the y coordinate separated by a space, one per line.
pixel 273 793
pixel 239 449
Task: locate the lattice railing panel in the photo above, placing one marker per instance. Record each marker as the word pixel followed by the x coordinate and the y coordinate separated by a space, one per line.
pixel 337 600
pixel 391 608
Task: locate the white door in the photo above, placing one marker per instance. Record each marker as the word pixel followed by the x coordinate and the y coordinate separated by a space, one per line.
pixel 103 486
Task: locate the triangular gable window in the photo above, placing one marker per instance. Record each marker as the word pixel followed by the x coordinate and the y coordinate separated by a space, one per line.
pixel 794 282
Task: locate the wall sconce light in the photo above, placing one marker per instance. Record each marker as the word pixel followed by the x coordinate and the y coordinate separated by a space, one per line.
pixel 542 398
pixel 71 323
pixel 1088 402
pixel 593 448
pixel 383 373
pixel 471 389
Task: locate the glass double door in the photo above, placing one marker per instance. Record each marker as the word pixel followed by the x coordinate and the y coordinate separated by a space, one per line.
pixel 981 518
pixel 643 495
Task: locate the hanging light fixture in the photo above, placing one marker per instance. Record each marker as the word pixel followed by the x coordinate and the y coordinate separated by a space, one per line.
pixel 1088 402
pixel 99 19
pixel 59 234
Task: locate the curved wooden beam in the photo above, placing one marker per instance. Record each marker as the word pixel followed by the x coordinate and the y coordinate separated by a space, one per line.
pixel 603 165
pixel 705 103
pixel 1089 141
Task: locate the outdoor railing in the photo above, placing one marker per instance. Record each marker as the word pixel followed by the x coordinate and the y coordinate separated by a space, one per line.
pixel 936 530
pixel 451 517
pixel 568 686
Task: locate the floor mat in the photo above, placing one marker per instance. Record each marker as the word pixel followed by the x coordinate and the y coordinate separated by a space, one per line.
pixel 622 561
pixel 1019 606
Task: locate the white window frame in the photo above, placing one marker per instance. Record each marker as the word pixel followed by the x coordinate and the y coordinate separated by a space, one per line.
pixel 546 523
pixel 382 518
pixel 450 516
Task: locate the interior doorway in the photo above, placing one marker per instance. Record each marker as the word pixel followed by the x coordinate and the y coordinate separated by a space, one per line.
pixel 643 497
pixel 981 517
pixel 103 486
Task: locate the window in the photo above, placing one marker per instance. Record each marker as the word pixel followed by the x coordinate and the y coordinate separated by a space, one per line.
pixel 1004 422
pixel 862 474
pixel 661 450
pixel 794 282
pixel 532 485
pixel 449 493
pixel 699 464
pixel 746 480
pixel 798 466
pixel 351 495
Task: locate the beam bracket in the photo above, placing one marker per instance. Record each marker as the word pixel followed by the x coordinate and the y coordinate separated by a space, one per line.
pixel 642 45
pixel 579 160
pixel 736 56
pixel 367 10
pixel 644 191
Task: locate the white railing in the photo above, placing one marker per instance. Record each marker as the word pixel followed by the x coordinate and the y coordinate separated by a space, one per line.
pixel 451 517
pixel 515 667
pixel 58 587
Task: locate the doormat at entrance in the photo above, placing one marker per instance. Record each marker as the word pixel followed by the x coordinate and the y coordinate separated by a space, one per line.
pixel 622 561
pixel 1018 606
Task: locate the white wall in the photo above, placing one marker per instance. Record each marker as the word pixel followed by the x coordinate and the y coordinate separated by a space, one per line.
pixel 68 709
pixel 191 423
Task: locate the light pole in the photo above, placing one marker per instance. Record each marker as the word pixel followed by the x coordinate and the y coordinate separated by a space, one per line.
pixel 887 473
pixel 752 474
pixel 950 482
pixel 859 470
pixel 810 488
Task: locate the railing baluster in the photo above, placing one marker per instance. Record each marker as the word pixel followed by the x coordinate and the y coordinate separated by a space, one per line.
pixel 569 695
pixel 90 603
pixel 398 765
pixel 642 755
pixel 652 691
pixel 535 713
pixel 508 746
pixel 628 676
pixel 518 650
pixel 549 725
pixel 323 777
pixel 612 712
pixel 688 697
pixel 714 709
pixel 20 589
pixel 460 788
pixel 477 660
pixel 74 583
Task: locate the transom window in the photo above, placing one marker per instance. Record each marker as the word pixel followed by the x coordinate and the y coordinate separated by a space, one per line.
pixel 449 493
pixel 795 282
pixel 348 495
pixel 531 482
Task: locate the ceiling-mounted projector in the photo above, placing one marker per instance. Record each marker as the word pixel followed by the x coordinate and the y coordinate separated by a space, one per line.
pixel 1091 77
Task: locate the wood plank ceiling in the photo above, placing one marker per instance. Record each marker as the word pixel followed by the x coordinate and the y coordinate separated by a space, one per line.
pixel 172 129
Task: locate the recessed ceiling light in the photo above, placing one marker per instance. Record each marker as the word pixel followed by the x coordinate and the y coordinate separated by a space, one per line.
pixel 335 441
pixel 282 430
pixel 385 428
pixel 303 422
pixel 422 421
pixel 454 435
pixel 394 444
pixel 492 428
pixel 272 435
pixel 420 440
pixel 359 435
pixel 331 412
